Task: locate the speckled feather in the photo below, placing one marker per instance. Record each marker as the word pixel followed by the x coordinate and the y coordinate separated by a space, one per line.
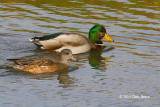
pixel 42 65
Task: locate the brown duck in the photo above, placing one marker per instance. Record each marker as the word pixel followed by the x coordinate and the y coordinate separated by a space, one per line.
pixel 42 65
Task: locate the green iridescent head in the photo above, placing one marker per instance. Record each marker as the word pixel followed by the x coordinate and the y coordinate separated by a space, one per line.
pixel 98 32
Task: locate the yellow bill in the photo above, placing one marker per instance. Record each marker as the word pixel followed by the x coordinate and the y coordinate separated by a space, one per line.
pixel 108 38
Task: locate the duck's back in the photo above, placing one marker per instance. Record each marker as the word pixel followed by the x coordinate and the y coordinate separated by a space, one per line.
pixel 37 65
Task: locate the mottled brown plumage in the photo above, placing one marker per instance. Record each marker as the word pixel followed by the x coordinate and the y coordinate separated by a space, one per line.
pixel 42 65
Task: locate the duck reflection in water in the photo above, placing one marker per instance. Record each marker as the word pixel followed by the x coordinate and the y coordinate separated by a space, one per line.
pixel 65 80
pixel 97 61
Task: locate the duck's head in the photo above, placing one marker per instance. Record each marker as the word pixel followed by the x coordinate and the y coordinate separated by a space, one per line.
pixel 98 32
pixel 65 55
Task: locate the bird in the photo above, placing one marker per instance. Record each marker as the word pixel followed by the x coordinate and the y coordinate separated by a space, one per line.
pixel 42 64
pixel 77 43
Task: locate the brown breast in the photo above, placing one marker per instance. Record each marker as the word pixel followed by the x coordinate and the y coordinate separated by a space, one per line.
pixel 44 69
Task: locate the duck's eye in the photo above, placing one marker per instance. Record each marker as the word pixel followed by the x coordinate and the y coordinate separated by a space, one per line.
pixel 67 53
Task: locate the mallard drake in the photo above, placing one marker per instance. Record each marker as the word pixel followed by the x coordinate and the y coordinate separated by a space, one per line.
pixel 42 65
pixel 77 43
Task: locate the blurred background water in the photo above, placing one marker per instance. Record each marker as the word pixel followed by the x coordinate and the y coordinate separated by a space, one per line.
pixel 98 79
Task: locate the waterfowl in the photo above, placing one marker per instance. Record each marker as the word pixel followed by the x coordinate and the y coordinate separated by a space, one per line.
pixel 42 65
pixel 77 43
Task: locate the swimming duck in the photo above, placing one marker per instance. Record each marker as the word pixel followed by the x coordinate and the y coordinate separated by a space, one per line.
pixel 77 43
pixel 42 65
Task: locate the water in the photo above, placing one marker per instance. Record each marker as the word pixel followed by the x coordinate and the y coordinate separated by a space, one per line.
pixel 129 70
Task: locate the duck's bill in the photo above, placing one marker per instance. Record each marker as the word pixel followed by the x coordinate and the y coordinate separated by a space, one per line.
pixel 108 38
pixel 73 58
